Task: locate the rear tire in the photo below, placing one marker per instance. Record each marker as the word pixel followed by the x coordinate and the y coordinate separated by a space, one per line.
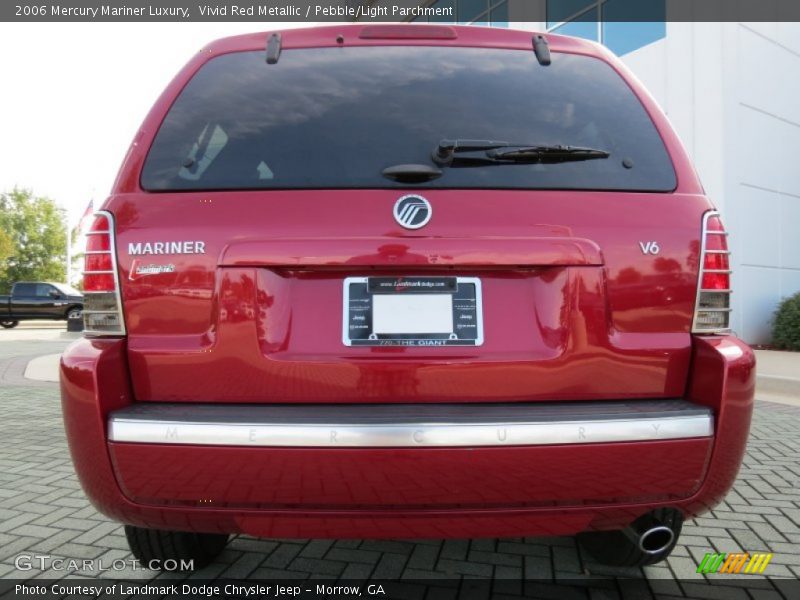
pixel 156 548
pixel 8 324
pixel 621 548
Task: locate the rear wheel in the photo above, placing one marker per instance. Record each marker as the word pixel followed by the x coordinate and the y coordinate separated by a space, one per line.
pixel 648 540
pixel 8 324
pixel 174 550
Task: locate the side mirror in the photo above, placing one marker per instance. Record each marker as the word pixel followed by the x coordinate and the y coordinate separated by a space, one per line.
pixel 55 294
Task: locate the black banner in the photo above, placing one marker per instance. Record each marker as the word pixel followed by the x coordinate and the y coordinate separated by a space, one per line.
pixel 258 589
pixel 372 11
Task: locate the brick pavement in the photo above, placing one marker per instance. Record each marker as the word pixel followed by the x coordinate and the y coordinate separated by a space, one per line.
pixel 43 510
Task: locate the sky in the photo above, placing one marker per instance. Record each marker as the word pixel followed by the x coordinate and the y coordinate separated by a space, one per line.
pixel 73 96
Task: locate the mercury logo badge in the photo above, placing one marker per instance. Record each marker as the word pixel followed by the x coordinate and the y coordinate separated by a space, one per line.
pixel 412 212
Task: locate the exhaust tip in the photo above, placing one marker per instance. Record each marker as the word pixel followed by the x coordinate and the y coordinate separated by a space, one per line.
pixel 656 539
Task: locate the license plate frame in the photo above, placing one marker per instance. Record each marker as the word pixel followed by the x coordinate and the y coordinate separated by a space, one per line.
pixel 358 304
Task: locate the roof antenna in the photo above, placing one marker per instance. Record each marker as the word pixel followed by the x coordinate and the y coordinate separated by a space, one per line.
pixel 541 49
pixel 273 48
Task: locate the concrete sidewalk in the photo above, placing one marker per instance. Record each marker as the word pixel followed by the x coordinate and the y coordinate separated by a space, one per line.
pixel 33 331
pixel 778 376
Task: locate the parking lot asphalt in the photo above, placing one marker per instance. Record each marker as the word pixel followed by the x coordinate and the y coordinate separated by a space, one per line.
pixel 44 511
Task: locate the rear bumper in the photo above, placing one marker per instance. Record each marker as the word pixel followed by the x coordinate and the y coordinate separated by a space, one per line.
pixel 401 471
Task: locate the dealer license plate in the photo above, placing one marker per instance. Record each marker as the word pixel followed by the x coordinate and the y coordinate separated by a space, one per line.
pixel 412 311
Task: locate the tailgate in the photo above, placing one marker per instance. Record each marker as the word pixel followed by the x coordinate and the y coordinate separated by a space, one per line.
pixel 254 310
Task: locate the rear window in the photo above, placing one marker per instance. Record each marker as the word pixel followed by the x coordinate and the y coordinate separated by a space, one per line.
pixel 336 117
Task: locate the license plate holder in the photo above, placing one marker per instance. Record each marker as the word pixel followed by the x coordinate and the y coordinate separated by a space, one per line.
pixel 412 311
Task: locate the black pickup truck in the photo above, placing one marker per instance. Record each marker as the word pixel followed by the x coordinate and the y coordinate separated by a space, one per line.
pixel 39 300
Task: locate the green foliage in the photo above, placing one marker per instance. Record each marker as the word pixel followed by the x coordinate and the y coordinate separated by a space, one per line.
pixel 77 255
pixel 6 250
pixel 786 324
pixel 35 227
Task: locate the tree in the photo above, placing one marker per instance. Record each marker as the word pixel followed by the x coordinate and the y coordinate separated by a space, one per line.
pixel 38 236
pixel 77 256
pixel 6 250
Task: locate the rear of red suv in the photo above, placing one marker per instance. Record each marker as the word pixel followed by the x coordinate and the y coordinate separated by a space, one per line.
pixel 406 281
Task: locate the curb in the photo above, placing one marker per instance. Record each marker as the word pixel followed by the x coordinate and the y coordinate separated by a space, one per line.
pixel 778 389
pixel 43 368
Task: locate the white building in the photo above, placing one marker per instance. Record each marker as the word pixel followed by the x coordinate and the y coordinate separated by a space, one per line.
pixel 732 92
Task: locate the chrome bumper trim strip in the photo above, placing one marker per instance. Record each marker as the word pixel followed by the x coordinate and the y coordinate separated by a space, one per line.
pixel 410 434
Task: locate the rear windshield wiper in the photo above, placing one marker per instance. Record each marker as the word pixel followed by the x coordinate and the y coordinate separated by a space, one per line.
pixel 488 152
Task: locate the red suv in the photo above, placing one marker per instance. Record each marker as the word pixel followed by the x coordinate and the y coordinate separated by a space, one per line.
pixel 383 281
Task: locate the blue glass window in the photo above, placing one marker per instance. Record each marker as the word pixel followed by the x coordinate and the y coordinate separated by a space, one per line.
pixel 624 37
pixel 470 10
pixel 565 10
pixel 626 25
pixel 631 24
pixel 584 26
pixel 444 4
pixel 498 15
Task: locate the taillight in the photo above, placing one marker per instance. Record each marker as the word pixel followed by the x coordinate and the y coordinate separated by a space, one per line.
pixel 713 305
pixel 102 305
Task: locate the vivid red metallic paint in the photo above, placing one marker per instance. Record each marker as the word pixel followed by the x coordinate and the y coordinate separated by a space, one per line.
pixel 573 311
pixel 723 378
